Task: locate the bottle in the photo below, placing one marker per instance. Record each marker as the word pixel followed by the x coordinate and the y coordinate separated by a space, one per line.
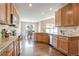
pixel 3 32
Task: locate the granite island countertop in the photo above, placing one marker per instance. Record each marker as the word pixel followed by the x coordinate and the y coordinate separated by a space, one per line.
pixel 6 42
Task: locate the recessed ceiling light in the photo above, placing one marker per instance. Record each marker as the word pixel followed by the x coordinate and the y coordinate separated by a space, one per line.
pixel 50 9
pixel 30 5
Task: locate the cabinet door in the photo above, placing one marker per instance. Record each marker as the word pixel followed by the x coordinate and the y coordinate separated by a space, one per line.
pixel 63 44
pixel 17 17
pixel 3 12
pixel 77 12
pixel 8 51
pixel 45 37
pixel 78 47
pixel 18 47
pixel 73 45
pixel 68 15
pixel 58 18
pixel 12 8
pixel 15 14
pixel 8 13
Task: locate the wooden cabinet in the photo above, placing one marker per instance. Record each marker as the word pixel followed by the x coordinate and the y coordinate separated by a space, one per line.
pixel 8 51
pixel 68 45
pixel 41 37
pixel 8 13
pixel 58 19
pixel 6 10
pixel 78 47
pixel 77 11
pixel 2 12
pixel 12 50
pixel 63 44
pixel 12 8
pixel 17 47
pixel 67 15
pixel 15 16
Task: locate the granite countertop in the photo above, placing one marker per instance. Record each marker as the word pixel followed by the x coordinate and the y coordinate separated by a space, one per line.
pixel 70 35
pixel 66 35
pixel 6 42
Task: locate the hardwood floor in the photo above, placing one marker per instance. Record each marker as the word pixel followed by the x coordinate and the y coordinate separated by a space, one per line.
pixel 38 49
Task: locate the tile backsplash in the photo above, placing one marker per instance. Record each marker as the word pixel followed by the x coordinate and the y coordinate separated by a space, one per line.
pixel 8 28
pixel 69 31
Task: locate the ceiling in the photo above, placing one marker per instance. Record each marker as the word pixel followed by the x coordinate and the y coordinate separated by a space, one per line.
pixel 38 11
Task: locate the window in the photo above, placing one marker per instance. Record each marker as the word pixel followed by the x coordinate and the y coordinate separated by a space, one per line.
pixel 50 28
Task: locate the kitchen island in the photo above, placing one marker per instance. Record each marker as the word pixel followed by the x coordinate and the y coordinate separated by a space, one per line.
pixel 41 37
pixel 10 46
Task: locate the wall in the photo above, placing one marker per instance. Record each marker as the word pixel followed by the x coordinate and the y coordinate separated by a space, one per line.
pixel 23 24
pixel 42 24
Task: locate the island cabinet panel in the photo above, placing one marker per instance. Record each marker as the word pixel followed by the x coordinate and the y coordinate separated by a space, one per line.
pixel 12 49
pixel 41 37
pixel 17 48
pixel 8 51
pixel 67 15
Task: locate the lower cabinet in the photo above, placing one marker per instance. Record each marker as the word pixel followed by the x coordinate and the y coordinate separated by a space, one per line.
pixel 63 44
pixel 12 50
pixel 66 45
pixel 8 51
pixel 78 47
pixel 16 48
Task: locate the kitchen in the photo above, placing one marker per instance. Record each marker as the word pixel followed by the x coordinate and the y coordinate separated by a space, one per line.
pixel 60 30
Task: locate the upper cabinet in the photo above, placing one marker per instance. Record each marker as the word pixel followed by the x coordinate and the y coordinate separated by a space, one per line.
pixel 58 18
pixel 77 14
pixel 3 12
pixel 15 16
pixel 8 14
pixel 12 8
pixel 67 15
